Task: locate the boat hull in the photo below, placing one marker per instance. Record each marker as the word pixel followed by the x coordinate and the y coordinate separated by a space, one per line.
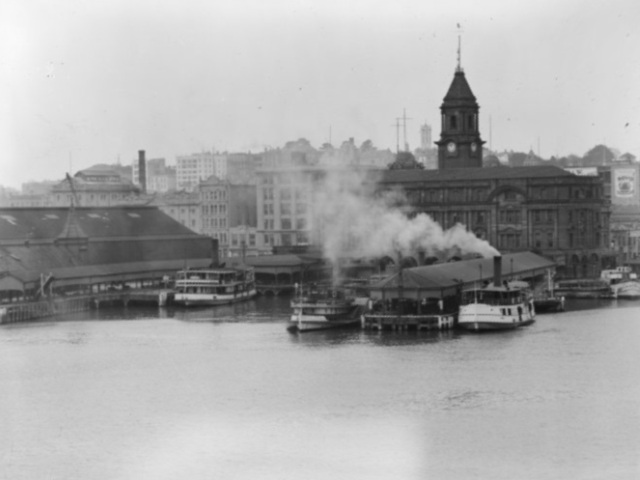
pixel 480 317
pixel 311 324
pixel 488 326
pixel 209 299
pixel 307 317
pixel 626 290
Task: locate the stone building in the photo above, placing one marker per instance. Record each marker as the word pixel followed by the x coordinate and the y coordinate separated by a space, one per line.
pixel 545 209
pixel 228 214
pixel 96 186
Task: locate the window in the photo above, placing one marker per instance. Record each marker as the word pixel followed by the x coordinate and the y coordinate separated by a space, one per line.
pixel 285 223
pixel 453 122
pixel 301 224
pixel 285 194
pixel 285 209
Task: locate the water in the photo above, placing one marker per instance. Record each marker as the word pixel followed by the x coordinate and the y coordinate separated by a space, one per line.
pixel 227 393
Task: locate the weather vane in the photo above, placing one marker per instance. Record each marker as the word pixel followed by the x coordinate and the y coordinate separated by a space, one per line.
pixel 459 67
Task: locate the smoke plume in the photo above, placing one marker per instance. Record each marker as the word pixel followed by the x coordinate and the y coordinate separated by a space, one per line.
pixel 352 220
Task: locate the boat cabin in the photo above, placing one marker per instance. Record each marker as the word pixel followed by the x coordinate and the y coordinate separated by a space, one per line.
pixel 491 295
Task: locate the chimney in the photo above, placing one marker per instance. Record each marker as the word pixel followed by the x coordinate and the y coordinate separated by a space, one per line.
pixel 497 270
pixel 142 171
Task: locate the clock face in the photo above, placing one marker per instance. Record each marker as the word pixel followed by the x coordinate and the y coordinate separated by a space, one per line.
pixel 451 147
pixel 474 147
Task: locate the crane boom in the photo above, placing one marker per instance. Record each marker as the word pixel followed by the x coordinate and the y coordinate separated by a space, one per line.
pixel 75 201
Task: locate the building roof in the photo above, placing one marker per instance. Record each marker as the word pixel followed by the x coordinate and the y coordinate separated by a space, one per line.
pixel 450 275
pixel 459 91
pixel 48 223
pixel 466 174
pixel 284 260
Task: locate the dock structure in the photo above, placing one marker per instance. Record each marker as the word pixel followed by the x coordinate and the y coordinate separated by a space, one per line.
pixel 34 310
pixel 407 322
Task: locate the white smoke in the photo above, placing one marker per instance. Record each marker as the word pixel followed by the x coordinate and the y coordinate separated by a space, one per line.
pixel 351 220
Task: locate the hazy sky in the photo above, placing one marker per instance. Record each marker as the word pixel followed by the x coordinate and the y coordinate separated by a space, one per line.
pixel 86 82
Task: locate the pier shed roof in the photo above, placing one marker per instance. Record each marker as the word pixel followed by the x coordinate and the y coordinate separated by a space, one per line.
pixel 446 278
pixel 47 223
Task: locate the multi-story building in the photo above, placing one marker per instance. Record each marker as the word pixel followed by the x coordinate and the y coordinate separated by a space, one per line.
pixel 228 214
pixel 561 215
pixel 183 207
pixel 97 186
pixel 242 167
pixel 192 169
pixel 290 204
pixel 543 208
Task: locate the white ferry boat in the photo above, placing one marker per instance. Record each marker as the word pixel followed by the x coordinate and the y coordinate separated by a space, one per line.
pixel 497 306
pixel 214 286
pixel 321 308
pixel 622 282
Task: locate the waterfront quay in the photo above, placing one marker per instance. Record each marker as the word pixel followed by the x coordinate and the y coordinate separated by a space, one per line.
pixel 382 321
pixel 34 310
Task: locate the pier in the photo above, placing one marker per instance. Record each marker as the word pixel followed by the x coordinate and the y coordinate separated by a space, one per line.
pixel 26 311
pixel 407 322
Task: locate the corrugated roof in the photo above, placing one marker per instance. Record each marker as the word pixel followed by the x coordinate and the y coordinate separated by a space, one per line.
pixel 466 272
pixel 480 173
pixel 284 260
pixel 47 223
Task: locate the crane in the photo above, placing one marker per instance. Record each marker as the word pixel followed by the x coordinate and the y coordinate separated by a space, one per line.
pixel 75 201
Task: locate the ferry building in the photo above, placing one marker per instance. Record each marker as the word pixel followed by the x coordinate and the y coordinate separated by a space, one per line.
pixel 544 209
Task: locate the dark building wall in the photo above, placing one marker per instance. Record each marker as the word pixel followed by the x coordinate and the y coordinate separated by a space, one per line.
pixel 566 218
pixel 243 206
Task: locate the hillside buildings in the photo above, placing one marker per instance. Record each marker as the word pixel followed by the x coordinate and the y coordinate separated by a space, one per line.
pixel 192 169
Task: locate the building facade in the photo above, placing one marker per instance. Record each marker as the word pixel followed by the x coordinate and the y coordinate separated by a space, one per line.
pixel 97 186
pixel 192 169
pixel 543 209
pixel 183 207
pixel 228 214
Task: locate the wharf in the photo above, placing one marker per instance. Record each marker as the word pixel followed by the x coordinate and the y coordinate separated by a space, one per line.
pixel 407 322
pixel 33 310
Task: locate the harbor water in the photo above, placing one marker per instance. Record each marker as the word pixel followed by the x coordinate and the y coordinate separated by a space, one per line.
pixel 228 393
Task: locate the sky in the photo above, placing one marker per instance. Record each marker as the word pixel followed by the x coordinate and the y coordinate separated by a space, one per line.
pixel 83 82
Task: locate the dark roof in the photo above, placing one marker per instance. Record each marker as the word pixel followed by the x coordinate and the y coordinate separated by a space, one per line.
pixel 466 272
pixel 48 223
pixel 285 260
pixel 479 173
pixel 459 92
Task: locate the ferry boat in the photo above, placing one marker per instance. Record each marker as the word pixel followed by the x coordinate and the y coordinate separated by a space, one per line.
pixel 320 308
pixel 622 282
pixel 545 299
pixel 497 305
pixel 583 288
pixel 214 286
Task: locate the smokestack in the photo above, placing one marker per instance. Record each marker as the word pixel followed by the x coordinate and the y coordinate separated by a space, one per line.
pixel 142 171
pixel 497 270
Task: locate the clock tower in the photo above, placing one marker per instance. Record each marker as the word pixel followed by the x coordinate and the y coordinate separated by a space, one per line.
pixel 460 144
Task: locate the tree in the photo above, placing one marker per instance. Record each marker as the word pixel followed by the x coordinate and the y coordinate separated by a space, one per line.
pixel 366 145
pixel 405 161
pixel 598 155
